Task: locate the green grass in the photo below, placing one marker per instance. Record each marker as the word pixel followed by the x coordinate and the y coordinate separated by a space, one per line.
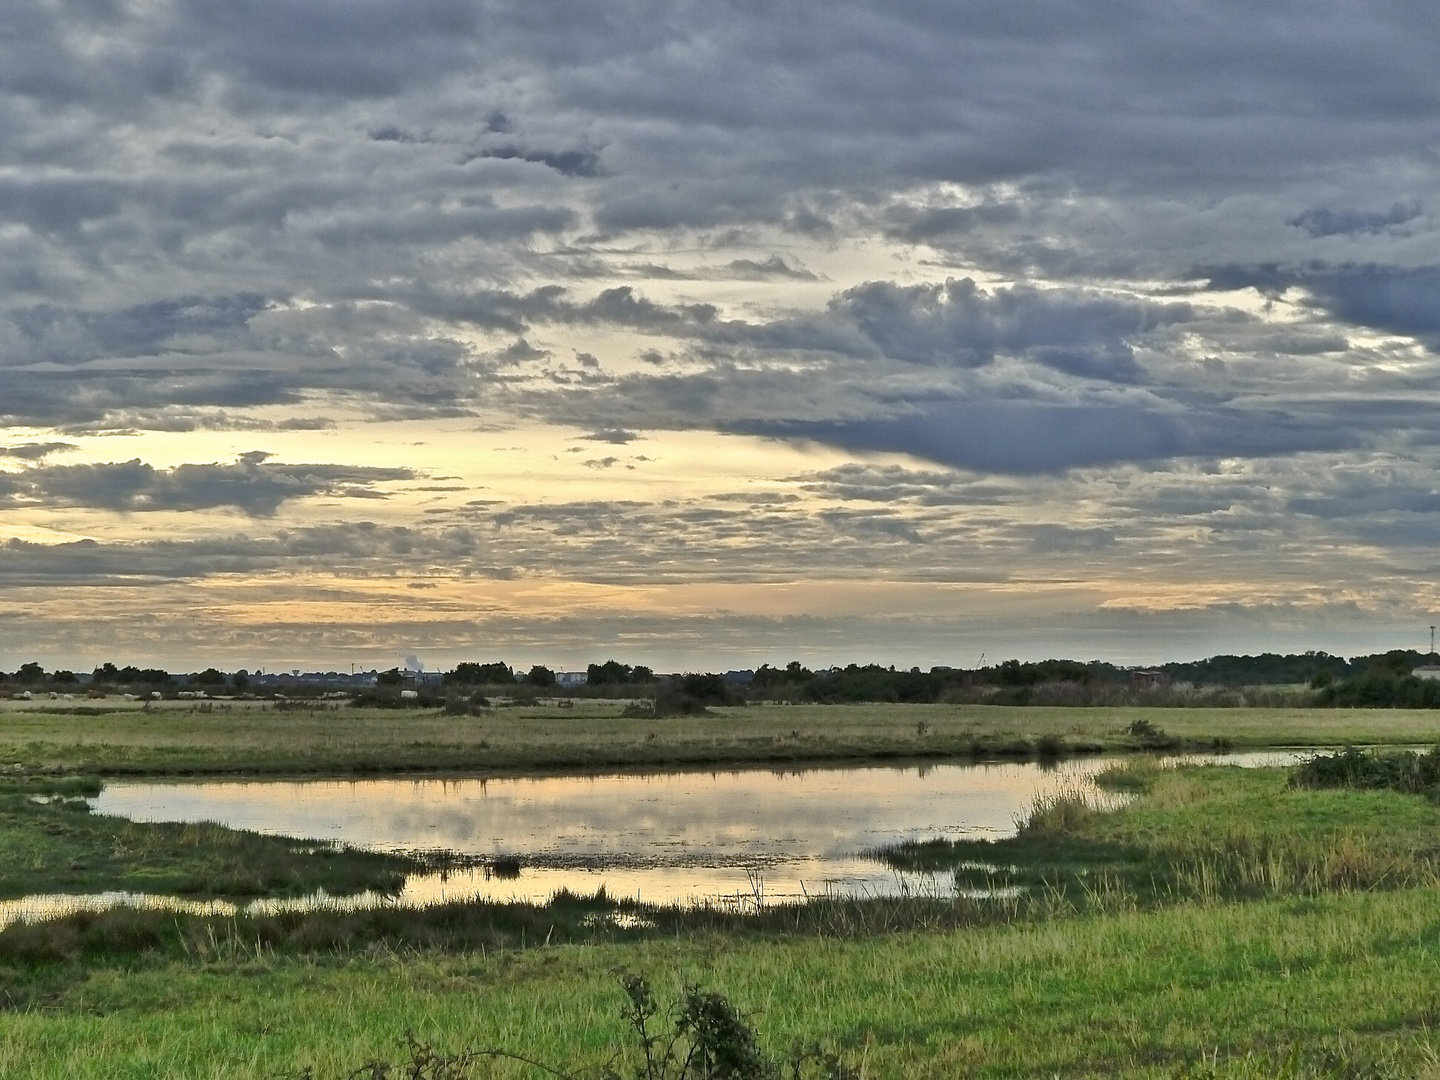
pixel 58 845
pixel 1340 985
pixel 255 738
pixel 1222 924
pixel 1206 833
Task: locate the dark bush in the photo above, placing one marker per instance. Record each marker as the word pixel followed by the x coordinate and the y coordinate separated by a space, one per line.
pixel 1150 737
pixel 1395 770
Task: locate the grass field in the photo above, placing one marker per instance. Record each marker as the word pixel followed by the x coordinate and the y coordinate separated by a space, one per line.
pixel 255 738
pixel 1339 986
pixel 1222 924
pixel 1228 972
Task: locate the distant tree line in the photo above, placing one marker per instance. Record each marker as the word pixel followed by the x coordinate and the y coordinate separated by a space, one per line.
pixel 33 674
pixel 110 675
pixel 1374 680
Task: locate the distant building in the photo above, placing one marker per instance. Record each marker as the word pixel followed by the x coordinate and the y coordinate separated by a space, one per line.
pixel 571 678
pixel 1428 672
pixel 1149 679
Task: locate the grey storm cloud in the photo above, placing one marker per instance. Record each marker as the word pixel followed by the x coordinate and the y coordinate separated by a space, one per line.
pixel 356 547
pixel 1084 332
pixel 1401 300
pixel 250 484
pixel 1079 332
pixel 70 336
pixel 35 451
pixel 1322 221
pixel 1016 436
pixel 215 207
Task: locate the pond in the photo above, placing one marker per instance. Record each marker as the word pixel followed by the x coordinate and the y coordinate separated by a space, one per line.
pixel 737 837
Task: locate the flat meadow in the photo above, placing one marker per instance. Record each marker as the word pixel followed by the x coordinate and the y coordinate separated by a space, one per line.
pixel 1217 921
pixel 112 737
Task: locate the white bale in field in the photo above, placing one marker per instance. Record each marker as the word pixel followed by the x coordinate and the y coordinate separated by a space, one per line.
pixel 409 695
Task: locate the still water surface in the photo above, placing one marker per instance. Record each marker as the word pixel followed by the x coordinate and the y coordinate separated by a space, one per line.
pixel 735 837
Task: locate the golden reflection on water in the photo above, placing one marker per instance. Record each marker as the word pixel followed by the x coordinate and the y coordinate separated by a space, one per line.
pixel 736 817
pixel 734 837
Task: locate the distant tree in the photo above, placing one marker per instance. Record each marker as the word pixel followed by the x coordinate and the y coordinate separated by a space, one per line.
pixel 64 678
pixel 874 683
pixel 30 673
pixel 688 695
pixel 540 676
pixel 612 671
pixel 393 677
pixel 711 689
pixel 641 674
pixel 209 677
pixel 106 673
pixel 241 680
pixel 480 674
pixel 792 674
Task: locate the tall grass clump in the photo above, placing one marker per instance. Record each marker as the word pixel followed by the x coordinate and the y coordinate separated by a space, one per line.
pixel 1129 776
pixel 1058 812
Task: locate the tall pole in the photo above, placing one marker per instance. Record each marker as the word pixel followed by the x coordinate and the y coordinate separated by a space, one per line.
pixel 1432 641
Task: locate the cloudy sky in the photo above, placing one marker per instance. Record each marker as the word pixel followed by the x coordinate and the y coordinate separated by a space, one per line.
pixel 706 334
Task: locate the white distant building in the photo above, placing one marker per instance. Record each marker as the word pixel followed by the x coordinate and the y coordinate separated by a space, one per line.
pixel 1429 672
pixel 571 678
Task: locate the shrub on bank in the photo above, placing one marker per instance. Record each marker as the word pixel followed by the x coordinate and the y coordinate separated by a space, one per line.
pixel 1396 770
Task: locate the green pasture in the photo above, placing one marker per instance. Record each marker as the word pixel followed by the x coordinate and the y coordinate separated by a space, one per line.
pixel 255 737
pixel 1336 985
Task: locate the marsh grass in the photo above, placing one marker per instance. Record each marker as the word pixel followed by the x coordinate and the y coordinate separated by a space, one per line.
pixel 255 738
pixel 1339 985
pixel 1208 833
pixel 1058 812
pixel 51 842
pixel 1222 924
